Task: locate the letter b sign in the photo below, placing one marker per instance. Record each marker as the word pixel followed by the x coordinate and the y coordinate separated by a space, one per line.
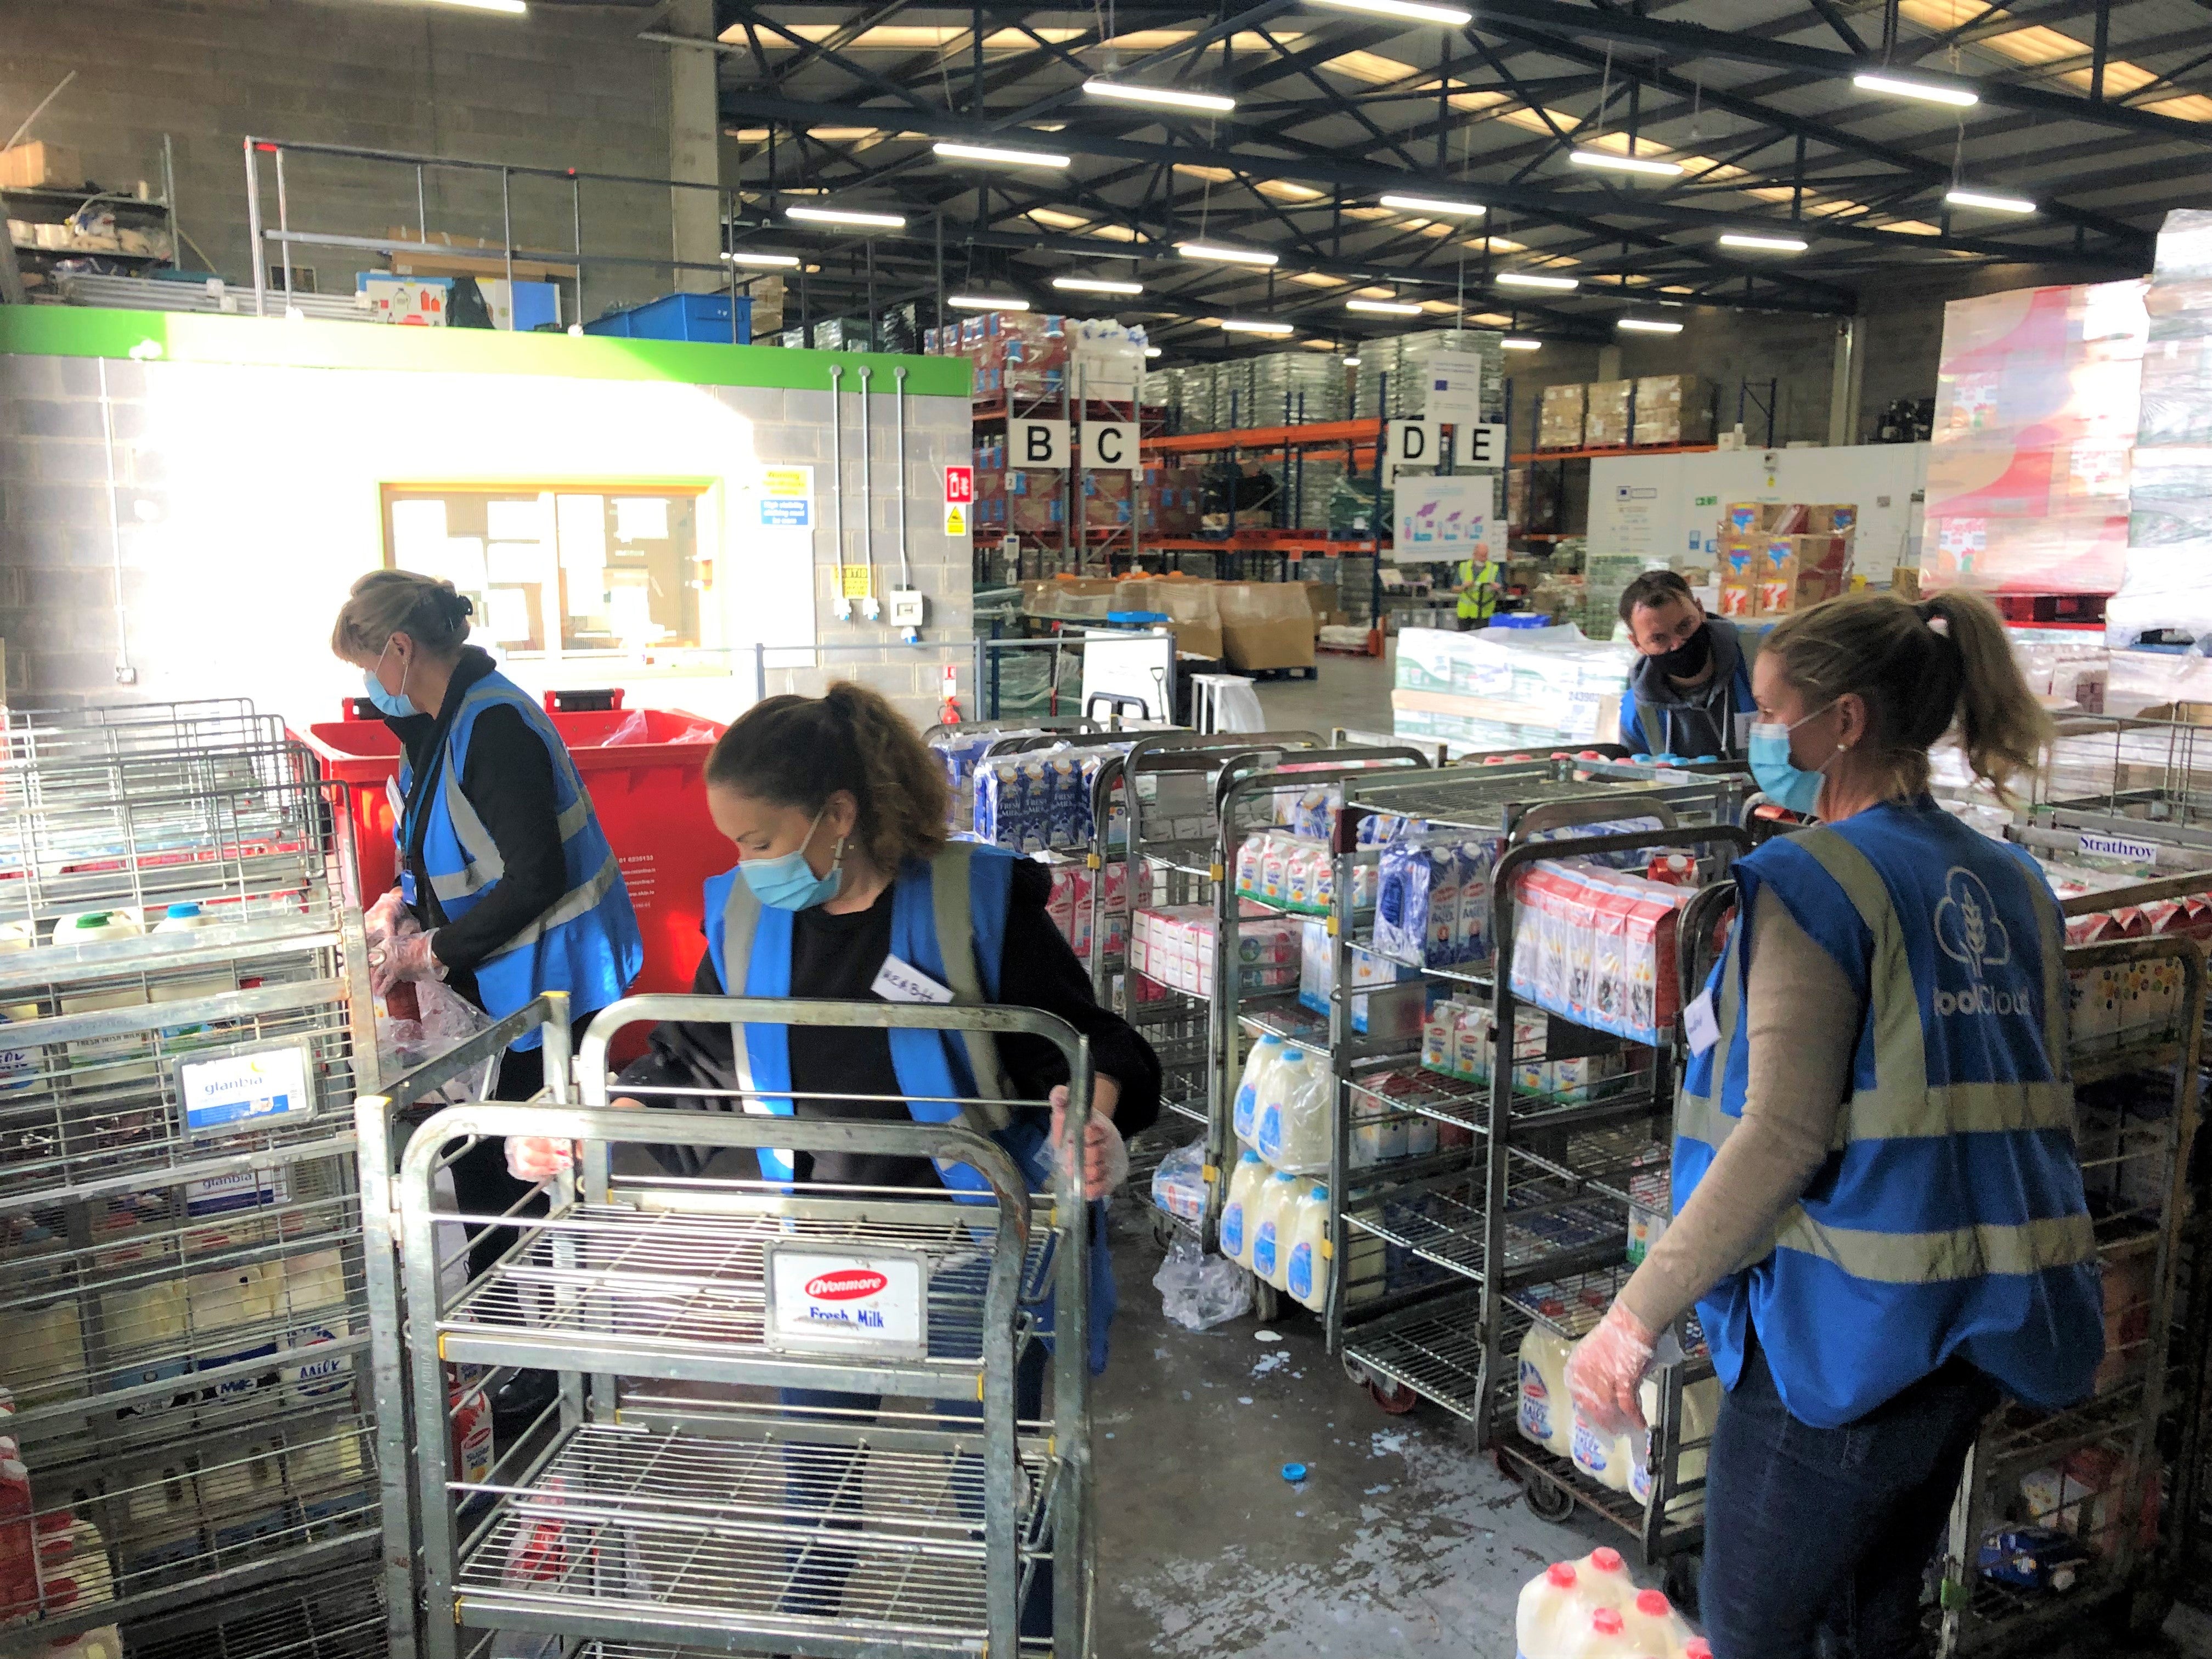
pixel 1036 443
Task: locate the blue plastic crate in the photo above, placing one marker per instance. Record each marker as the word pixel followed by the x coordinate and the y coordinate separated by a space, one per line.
pixel 702 317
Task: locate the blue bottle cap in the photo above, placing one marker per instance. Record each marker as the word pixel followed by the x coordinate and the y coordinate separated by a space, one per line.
pixel 1294 1473
pixel 184 910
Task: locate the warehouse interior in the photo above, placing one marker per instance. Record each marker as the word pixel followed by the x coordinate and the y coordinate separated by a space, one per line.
pixel 1252 447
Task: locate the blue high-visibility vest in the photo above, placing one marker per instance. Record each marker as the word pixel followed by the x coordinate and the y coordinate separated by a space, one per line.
pixel 960 897
pixel 586 943
pixel 1949 1220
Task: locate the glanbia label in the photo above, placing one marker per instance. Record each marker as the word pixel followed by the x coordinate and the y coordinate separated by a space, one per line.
pixel 830 1302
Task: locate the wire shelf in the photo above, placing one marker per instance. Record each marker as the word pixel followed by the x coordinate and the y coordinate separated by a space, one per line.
pixel 691 1286
pixel 874 1537
pixel 336 1616
pixel 1439 1357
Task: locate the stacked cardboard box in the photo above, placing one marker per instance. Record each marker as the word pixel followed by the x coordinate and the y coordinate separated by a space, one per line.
pixel 1168 500
pixel 1674 409
pixel 2167 586
pixel 2037 400
pixel 1109 498
pixel 1266 624
pixel 1560 425
pixel 1780 556
pixel 1017 354
pixel 1605 423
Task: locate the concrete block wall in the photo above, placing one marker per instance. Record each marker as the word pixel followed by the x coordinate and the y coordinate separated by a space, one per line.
pixel 566 86
pixel 246 500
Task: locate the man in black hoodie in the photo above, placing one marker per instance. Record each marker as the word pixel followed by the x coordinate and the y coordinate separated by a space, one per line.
pixel 1690 695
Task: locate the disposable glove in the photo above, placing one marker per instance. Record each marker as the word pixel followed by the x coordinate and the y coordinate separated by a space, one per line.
pixel 1105 1155
pixel 409 957
pixel 1605 1369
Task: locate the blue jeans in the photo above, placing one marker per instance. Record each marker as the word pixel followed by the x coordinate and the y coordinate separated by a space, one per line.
pixel 1810 1530
pixel 820 1477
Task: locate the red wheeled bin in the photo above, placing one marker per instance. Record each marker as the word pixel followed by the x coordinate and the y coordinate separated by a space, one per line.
pixel 644 770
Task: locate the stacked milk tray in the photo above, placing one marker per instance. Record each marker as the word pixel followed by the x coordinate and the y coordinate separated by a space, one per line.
pixel 1028 803
pixel 1597 945
pixel 1174 945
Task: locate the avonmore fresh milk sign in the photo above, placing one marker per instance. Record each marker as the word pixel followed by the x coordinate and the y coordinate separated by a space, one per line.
pixel 825 1301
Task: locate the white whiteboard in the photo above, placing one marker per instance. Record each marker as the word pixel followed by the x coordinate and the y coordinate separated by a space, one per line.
pixel 1668 506
pixel 1130 666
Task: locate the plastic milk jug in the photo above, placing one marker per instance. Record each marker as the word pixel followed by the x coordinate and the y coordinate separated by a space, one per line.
pixel 1289 1074
pixel 1548 1606
pixel 1604 1635
pixel 1240 1217
pixel 249 1296
pixel 108 1053
pixel 1607 1459
pixel 1547 1415
pixel 1701 1407
pixel 1604 1578
pixel 1271 1245
pixel 148 1321
pixel 189 919
pixel 314 1292
pixel 1306 1278
pixel 1265 1054
pixel 1652 1625
pixel 1293 1128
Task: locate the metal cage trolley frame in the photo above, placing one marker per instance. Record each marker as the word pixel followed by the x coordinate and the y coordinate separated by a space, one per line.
pixel 658 1506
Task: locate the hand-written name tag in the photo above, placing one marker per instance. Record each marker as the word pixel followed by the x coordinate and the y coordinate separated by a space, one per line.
pixel 897 981
pixel 1700 1026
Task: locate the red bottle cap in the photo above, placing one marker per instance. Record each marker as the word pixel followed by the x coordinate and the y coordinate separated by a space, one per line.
pixel 1652 1604
pixel 1697 1648
pixel 1562 1575
pixel 1606 1622
pixel 1607 1560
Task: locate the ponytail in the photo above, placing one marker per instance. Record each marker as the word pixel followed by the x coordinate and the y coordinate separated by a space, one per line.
pixel 799 751
pixel 1920 669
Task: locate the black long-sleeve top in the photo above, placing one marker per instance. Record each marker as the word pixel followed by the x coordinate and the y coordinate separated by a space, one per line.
pixel 507 778
pixel 839 957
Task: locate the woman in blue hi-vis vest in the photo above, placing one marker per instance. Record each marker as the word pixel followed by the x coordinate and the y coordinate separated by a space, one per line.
pixel 507 885
pixel 847 887
pixel 1878 1119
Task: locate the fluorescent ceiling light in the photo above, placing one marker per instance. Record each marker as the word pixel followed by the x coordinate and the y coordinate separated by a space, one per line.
pixel 1167 96
pixel 1383 307
pixel 1956 96
pixel 1234 256
pixel 1352 362
pixel 1432 204
pixel 1776 244
pixel 985 302
pixel 1097 285
pixel 1648 325
pixel 1450 16
pixel 1530 279
pixel 845 216
pixel 1982 199
pixel 1513 342
pixel 1598 158
pixel 1012 158
pixel 1254 325
pixel 513 7
pixel 784 260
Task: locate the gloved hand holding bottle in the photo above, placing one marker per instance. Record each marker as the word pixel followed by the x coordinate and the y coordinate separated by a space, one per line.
pixel 1606 1368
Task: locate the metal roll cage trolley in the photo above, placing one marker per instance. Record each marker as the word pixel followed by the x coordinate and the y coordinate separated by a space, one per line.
pixel 661 1499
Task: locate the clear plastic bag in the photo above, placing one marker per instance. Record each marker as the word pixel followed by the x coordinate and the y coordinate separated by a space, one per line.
pixel 1179 1184
pixel 1198 1290
pixel 445 1019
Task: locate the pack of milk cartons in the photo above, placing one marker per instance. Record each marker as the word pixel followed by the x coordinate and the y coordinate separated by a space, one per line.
pixel 1400 1014
pixel 1175 946
pixel 1028 803
pixel 1432 900
pixel 1596 946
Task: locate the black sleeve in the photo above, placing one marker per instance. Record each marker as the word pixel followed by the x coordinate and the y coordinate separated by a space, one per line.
pixel 686 1056
pixel 508 779
pixel 1039 969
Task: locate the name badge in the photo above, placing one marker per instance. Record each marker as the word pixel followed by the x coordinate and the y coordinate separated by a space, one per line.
pixel 898 982
pixel 1698 1023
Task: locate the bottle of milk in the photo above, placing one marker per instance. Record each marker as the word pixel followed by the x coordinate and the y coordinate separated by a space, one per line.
pixel 1287 1077
pixel 1262 1061
pixel 1546 1414
pixel 1604 1576
pixel 1548 1605
pixel 1271 1250
pixel 1240 1217
pixel 1294 1123
pixel 112 1060
pixel 1306 1278
pixel 189 919
pixel 1605 1636
pixel 1607 1459
pixel 1652 1626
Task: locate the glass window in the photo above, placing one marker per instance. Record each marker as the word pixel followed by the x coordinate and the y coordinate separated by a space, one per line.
pixel 597 568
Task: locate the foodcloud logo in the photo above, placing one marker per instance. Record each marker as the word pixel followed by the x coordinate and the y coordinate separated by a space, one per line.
pixel 1967 930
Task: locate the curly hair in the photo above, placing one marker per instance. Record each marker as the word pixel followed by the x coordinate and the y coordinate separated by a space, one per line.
pixel 799 751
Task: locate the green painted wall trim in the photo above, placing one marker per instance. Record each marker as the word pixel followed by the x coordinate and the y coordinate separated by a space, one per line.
pixel 268 342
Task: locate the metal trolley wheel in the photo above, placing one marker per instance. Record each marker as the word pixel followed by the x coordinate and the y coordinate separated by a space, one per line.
pixel 1547 1498
pixel 1682 1572
pixel 1393 1398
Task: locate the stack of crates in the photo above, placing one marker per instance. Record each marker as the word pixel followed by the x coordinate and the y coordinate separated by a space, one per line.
pixel 1293 387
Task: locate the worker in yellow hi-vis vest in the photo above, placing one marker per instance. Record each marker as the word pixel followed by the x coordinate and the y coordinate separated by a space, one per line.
pixel 1480 581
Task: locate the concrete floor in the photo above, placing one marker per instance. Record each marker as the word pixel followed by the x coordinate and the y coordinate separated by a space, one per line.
pixel 1402 1540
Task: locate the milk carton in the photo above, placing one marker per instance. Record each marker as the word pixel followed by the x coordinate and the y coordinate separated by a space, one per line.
pixel 1474 860
pixel 1446 942
pixel 1306 1278
pixel 1274 867
pixel 231 1310
pixel 1250 852
pixel 1239 1211
pixel 1547 1413
pixel 1036 779
pixel 315 1297
pixel 1298 874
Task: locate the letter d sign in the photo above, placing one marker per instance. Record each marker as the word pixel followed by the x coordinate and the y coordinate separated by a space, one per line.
pixel 1036 443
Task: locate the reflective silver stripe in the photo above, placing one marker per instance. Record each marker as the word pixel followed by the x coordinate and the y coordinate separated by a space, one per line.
pixel 1931 1258
pixel 1900 1045
pixel 577 815
pixel 577 901
pixel 483 865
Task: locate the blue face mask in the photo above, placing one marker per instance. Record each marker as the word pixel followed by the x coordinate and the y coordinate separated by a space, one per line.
pixel 1784 781
pixel 392 703
pixel 787 882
